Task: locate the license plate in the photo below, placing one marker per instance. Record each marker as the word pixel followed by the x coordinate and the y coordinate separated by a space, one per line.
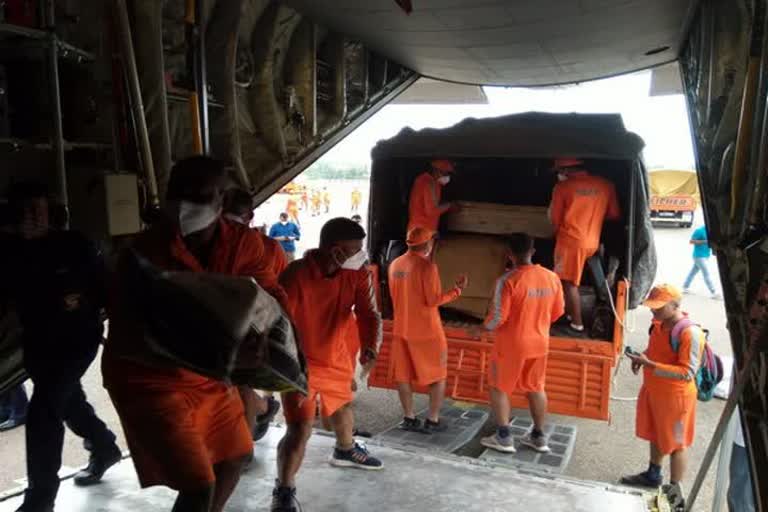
pixel 667 214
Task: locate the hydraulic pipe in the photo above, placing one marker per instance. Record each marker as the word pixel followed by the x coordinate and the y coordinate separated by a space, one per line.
pixel 57 135
pixel 137 104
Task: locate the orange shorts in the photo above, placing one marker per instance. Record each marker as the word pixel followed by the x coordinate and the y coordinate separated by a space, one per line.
pixel 420 363
pixel 514 374
pixel 331 395
pixel 177 435
pixel 570 261
pixel 666 418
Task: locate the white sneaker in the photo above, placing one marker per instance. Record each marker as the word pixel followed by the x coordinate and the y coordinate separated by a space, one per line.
pixel 686 291
pixel 716 296
pixel 537 443
pixel 500 444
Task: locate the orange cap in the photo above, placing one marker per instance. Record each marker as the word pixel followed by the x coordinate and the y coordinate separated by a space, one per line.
pixel 418 236
pixel 661 295
pixel 563 163
pixel 443 165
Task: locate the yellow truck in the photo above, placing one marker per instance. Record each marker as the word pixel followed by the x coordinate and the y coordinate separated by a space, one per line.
pixel 674 197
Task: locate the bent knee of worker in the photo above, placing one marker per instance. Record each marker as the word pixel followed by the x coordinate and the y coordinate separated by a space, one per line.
pixel 298 431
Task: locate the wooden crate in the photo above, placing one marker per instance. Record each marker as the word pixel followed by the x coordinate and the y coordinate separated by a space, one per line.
pixel 482 258
pixel 499 219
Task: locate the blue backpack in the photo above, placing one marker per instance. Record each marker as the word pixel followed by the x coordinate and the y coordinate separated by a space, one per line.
pixel 710 371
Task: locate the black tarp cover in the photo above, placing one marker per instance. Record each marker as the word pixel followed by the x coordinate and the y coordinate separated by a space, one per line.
pixel 542 135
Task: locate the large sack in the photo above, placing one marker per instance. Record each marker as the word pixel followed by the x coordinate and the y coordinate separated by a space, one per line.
pixel 224 327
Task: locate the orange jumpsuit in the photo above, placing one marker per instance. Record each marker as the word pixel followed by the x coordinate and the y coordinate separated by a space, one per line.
pixel 316 200
pixel 424 208
pixel 327 201
pixel 292 209
pixel 666 406
pixel 526 301
pixel 304 201
pixel 579 206
pixel 419 347
pixel 321 308
pixel 178 423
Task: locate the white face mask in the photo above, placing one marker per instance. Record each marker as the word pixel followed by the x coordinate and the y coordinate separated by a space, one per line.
pixel 444 180
pixel 356 261
pixel 283 222
pixel 561 176
pixel 194 217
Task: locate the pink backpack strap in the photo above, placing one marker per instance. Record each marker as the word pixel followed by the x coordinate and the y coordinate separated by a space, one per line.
pixel 679 327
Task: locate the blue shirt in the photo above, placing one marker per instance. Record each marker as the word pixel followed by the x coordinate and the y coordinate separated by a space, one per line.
pixel 289 229
pixel 701 250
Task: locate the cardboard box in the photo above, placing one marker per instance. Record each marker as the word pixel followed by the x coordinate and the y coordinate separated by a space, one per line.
pixel 482 257
pixel 499 219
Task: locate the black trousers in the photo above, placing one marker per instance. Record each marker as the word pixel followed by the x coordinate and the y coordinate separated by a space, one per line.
pixel 57 399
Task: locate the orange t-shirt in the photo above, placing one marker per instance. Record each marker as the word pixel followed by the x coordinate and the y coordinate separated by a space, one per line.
pixel 356 196
pixel 579 206
pixel 237 251
pixel 675 370
pixel 321 309
pixel 424 208
pixel 414 286
pixel 525 303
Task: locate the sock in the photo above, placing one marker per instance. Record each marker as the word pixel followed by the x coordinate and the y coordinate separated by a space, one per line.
pixel 536 433
pixel 577 327
pixel 503 432
pixel 654 471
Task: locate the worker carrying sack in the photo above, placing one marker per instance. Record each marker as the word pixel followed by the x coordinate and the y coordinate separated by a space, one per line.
pixel 224 327
pixel 710 371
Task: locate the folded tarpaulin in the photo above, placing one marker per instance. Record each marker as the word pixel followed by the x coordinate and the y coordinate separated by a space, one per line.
pixel 224 327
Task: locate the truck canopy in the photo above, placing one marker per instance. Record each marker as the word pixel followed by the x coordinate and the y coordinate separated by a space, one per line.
pixel 485 147
pixel 668 182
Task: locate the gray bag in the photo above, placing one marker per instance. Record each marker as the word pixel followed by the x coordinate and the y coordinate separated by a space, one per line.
pixel 224 327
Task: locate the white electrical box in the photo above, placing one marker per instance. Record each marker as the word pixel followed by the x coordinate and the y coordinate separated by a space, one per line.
pixel 122 203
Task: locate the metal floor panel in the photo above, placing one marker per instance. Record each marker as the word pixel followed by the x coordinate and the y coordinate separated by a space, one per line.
pixel 463 425
pixel 562 439
pixel 411 481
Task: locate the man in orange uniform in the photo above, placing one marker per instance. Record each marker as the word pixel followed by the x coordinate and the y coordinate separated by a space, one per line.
pixel 184 430
pixel 259 410
pixel 323 287
pixel 357 198
pixel 419 347
pixel 580 204
pixel 666 406
pixel 292 209
pixel 526 301
pixel 424 206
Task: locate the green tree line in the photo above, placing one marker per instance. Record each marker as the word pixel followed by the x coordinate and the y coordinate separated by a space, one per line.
pixel 326 171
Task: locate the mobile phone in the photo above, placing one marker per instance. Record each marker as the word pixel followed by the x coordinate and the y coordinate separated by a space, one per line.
pixel 630 351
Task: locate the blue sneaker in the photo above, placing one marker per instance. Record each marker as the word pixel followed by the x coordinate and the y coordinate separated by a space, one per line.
pixel 357 457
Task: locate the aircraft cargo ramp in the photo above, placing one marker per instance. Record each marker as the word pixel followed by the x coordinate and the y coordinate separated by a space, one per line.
pixel 411 481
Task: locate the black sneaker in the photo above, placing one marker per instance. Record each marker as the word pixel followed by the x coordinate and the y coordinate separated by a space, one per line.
pixel 261 427
pixel 98 464
pixel 570 332
pixel 11 424
pixel 434 427
pixel 563 321
pixel 357 457
pixel 284 500
pixel 643 479
pixel 26 507
pixel 413 425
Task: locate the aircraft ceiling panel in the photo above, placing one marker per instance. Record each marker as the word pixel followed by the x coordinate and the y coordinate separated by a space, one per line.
pixel 513 42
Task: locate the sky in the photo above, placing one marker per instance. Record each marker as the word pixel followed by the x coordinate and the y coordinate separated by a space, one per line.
pixel 661 121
